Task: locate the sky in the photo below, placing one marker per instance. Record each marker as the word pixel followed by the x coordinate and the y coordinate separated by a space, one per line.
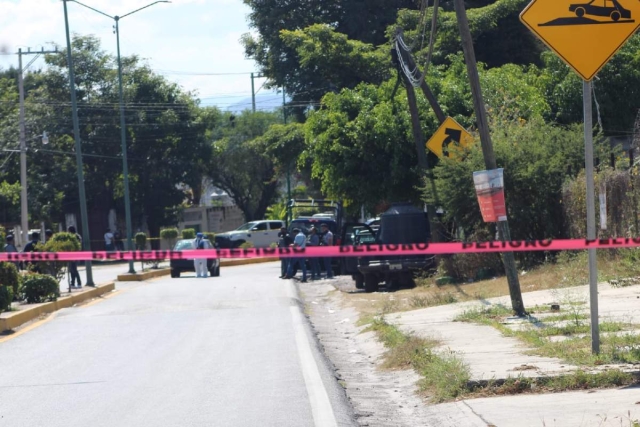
pixel 195 43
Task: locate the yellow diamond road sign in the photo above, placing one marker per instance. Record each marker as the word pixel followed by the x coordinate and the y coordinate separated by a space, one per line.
pixel 449 136
pixel 585 34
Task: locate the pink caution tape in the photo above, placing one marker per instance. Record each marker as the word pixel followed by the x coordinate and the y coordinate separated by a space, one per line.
pixel 334 251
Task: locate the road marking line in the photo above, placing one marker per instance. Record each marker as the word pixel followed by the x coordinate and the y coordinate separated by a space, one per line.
pixel 26 329
pixel 318 398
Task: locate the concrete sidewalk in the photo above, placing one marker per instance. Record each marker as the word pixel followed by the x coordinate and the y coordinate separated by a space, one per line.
pixel 490 355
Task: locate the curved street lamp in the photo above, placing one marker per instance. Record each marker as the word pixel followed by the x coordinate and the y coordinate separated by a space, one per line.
pixel 123 133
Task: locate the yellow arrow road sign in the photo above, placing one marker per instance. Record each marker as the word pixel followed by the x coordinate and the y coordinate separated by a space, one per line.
pixel 449 135
pixel 585 34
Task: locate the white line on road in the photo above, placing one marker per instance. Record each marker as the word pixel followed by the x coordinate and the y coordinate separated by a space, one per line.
pixel 318 398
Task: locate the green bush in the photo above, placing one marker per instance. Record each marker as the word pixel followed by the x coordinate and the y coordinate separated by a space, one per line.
pixel 6 296
pixel 210 236
pixel 169 233
pixel 9 276
pixel 3 235
pixel 189 233
pixel 60 242
pixel 39 288
pixel 537 159
pixel 247 245
pixel 141 241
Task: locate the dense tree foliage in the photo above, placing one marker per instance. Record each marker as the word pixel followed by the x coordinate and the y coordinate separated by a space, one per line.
pixel 166 141
pixel 241 164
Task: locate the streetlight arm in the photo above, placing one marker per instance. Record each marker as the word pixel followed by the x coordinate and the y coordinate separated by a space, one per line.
pixel 144 7
pixel 89 7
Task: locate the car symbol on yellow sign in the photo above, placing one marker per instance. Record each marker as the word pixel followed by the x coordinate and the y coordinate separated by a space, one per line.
pixel 584 34
pixel 450 134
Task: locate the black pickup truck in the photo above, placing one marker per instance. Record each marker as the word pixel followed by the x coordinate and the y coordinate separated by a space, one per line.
pixel 401 224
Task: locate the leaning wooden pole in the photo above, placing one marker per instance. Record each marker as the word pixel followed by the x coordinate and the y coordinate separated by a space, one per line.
pixel 487 150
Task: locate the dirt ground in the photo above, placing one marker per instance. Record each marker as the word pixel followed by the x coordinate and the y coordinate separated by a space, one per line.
pixel 380 398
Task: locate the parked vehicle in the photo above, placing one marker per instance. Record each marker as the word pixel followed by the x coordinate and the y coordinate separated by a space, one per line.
pixel 401 224
pixel 180 265
pixel 259 233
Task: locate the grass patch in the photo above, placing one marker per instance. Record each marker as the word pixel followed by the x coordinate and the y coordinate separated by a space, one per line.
pixel 444 375
pixel 578 380
pixel 575 348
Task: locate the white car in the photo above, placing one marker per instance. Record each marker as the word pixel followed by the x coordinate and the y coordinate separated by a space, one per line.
pixel 260 233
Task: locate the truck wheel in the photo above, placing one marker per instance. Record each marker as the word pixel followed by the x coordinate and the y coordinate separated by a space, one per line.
pixel 406 280
pixel 392 283
pixel 175 274
pixel 238 243
pixel 371 283
pixel 359 281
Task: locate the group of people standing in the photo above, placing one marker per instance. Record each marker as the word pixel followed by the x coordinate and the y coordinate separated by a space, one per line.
pixel 113 241
pixel 300 240
pixel 32 246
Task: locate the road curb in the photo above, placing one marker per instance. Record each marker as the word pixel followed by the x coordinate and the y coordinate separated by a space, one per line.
pixel 13 319
pixel 139 277
pixel 234 262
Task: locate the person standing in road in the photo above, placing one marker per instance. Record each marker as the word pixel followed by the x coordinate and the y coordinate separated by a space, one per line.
pixel 108 240
pixel 284 241
pixel 314 240
pixel 73 265
pixel 327 240
pixel 299 241
pixel 200 263
pixel 48 234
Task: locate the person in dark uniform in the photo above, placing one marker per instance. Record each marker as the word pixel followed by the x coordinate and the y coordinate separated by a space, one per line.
pixel 31 247
pixel 73 265
pixel 284 241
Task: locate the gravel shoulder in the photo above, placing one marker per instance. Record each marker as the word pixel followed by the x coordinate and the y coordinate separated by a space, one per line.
pixel 379 398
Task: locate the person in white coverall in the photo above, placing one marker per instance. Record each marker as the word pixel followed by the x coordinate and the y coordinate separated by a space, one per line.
pixel 200 263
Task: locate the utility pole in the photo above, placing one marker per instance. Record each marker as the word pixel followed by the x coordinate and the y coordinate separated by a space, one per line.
pixel 487 149
pixel 253 91
pixel 426 90
pixel 419 139
pixel 86 241
pixel 253 94
pixel 24 205
pixel 284 115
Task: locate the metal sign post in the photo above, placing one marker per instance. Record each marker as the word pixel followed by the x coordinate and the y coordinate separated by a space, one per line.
pixel 591 215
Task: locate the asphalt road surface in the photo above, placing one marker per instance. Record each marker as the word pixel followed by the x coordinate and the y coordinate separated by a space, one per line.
pixel 229 351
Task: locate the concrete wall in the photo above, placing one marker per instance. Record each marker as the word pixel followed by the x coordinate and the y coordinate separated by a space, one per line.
pixel 216 219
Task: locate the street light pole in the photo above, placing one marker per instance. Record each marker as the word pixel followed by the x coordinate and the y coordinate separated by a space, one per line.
pixel 123 130
pixel 123 140
pixel 76 134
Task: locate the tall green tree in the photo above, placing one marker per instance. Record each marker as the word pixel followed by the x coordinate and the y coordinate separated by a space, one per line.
pixel 241 165
pixel 167 144
pixel 361 148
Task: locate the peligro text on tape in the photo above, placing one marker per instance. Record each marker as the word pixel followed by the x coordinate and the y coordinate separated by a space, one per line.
pixel 334 251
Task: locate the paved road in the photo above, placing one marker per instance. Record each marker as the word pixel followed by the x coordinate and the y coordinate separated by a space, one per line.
pixel 228 351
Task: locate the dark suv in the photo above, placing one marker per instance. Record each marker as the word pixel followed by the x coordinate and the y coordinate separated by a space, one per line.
pixel 401 224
